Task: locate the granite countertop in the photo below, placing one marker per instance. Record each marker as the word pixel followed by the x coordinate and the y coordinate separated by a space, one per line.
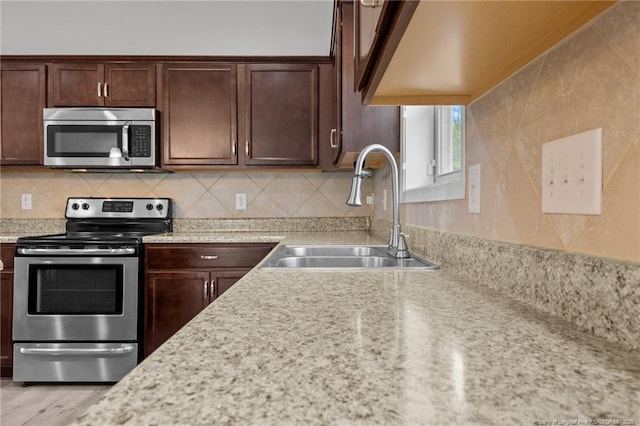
pixel 371 347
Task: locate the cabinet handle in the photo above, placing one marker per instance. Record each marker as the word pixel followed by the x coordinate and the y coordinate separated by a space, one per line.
pixel 233 148
pixel 246 148
pixel 106 89
pixel 206 289
pixel 212 289
pixel 332 138
pixel 370 3
pixel 206 257
pixel 99 89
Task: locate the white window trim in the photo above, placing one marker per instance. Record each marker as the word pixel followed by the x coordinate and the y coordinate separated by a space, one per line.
pixel 448 187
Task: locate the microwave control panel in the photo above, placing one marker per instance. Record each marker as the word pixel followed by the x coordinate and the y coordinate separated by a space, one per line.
pixel 140 141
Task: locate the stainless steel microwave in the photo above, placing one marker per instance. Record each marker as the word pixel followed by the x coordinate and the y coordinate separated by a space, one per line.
pixel 100 138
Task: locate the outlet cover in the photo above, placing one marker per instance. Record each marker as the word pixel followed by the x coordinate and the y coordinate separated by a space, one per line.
pixel 474 188
pixel 572 174
pixel 25 201
pixel 241 201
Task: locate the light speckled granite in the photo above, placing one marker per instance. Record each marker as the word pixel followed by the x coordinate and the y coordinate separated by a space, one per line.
pixel 276 224
pixel 21 227
pixel 303 347
pixel 599 294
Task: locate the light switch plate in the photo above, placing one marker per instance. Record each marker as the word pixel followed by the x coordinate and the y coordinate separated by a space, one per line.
pixel 474 188
pixel 25 201
pixel 572 174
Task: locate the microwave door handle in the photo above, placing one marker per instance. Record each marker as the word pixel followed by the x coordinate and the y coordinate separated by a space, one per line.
pixel 125 141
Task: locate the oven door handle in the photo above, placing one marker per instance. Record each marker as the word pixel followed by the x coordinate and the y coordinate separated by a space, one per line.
pixel 124 349
pixel 84 252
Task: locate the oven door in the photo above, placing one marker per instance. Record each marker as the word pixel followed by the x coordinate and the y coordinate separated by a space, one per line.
pixel 75 298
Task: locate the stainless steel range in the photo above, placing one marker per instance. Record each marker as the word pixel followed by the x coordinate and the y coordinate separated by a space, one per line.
pixel 78 296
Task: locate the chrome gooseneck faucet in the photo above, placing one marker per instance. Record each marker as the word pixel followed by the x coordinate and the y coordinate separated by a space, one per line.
pixel 397 242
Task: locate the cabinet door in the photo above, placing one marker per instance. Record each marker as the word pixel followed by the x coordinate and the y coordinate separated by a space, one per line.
pixel 172 299
pixel 6 323
pixel 225 279
pixel 362 125
pixel 129 85
pixel 22 98
pixel 199 114
pixel 77 84
pixel 281 114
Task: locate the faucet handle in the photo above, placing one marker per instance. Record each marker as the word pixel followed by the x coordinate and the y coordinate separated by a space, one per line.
pixel 402 249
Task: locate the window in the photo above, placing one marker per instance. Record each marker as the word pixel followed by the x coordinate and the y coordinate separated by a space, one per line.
pixel 432 163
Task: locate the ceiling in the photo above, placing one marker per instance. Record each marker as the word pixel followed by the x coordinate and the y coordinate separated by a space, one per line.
pixel 157 27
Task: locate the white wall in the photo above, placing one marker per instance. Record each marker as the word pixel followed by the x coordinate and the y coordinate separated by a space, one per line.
pixel 219 28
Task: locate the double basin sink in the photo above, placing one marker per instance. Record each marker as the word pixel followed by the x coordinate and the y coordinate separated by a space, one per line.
pixel 341 256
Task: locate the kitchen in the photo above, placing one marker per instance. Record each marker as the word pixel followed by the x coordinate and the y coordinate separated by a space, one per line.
pixel 587 81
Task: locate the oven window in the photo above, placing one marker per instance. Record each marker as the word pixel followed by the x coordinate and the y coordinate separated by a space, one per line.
pixel 82 140
pixel 75 289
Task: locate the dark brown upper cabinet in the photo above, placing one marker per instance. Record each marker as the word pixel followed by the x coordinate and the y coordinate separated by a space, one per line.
pixel 199 109
pixel 96 84
pixel 356 125
pixel 239 115
pixel 22 99
pixel 280 114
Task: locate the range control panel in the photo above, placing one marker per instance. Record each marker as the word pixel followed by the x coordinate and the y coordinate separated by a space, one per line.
pixel 133 208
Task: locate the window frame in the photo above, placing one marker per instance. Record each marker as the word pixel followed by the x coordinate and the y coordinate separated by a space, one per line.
pixel 448 186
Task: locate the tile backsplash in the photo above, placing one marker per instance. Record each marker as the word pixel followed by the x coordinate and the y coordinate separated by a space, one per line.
pixel 590 80
pixel 195 195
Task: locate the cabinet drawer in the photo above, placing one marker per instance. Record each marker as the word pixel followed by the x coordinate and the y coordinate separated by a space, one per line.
pixel 209 256
pixel 7 251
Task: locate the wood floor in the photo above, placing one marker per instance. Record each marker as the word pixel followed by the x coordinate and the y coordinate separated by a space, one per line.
pixel 45 405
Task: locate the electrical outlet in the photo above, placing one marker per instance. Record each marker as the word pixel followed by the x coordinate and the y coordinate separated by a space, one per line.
pixel 26 201
pixel 241 201
pixel 474 188
pixel 572 174
pixel 369 200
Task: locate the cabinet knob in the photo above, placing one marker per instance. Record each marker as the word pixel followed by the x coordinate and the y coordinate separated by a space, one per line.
pixel 99 89
pixel 246 148
pixel 206 289
pixel 233 148
pixel 106 89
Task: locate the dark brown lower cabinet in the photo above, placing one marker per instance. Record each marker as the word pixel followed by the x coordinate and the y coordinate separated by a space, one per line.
pixel 182 279
pixel 6 310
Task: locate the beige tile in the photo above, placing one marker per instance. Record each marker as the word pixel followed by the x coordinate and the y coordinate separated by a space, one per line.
pixel 262 206
pixel 59 188
pixel 318 205
pixel 206 206
pixel 152 180
pixel 583 85
pixel 123 185
pixel 183 189
pixel 619 25
pixel 318 179
pixel 616 233
pixel 225 190
pixel 519 216
pixel 262 178
pixel 290 191
pixel 207 180
pixel 493 143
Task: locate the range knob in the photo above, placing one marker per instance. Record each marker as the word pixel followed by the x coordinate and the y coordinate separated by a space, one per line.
pixel 149 206
pixel 75 206
pixel 159 207
pixel 85 206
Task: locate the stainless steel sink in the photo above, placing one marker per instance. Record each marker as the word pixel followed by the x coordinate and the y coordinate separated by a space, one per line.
pixel 341 256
